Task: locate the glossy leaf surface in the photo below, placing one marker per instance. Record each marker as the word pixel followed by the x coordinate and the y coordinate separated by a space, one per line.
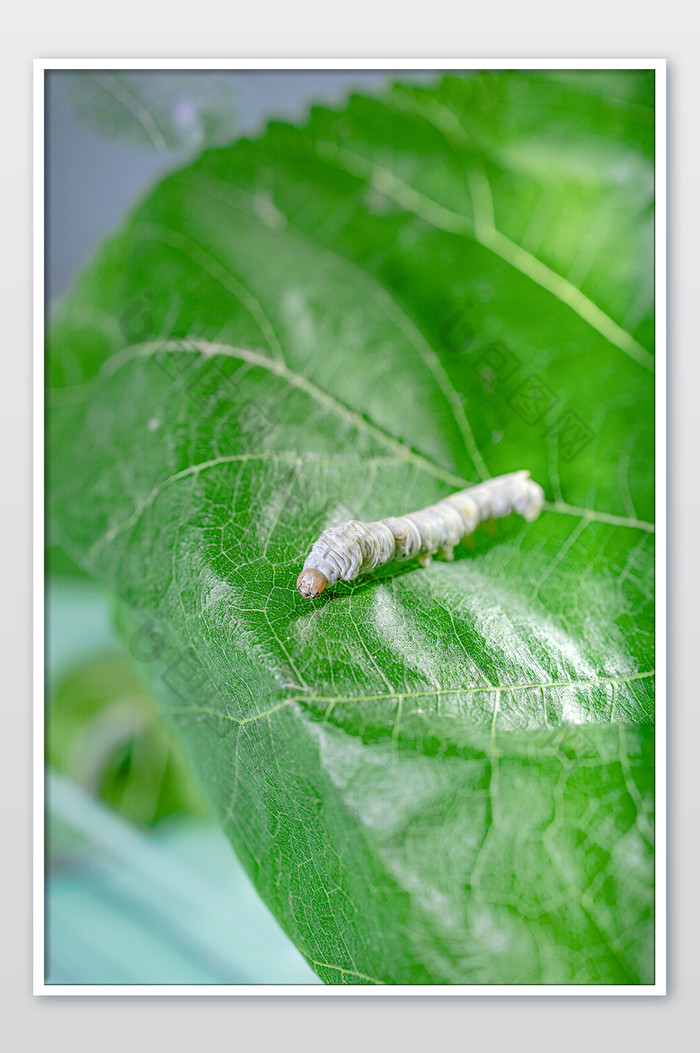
pixel 438 775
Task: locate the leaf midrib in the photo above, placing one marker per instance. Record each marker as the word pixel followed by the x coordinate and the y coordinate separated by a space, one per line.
pixel 304 698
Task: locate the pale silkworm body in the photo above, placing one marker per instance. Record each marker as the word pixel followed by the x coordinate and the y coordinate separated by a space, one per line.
pixel 353 548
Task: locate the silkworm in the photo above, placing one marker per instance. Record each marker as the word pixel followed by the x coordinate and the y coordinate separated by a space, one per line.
pixel 353 548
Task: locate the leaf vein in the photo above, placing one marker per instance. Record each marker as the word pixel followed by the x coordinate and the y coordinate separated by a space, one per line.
pixel 490 238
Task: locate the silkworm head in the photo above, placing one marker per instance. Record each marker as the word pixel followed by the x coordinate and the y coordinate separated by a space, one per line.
pixel 311 583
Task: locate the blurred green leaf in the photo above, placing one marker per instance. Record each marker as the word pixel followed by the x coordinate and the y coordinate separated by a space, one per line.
pixel 59 565
pixel 105 732
pixel 433 776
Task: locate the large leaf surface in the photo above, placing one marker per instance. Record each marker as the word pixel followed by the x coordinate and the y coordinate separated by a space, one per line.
pixel 437 775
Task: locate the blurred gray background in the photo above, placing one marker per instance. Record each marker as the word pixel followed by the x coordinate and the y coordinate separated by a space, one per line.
pixel 112 134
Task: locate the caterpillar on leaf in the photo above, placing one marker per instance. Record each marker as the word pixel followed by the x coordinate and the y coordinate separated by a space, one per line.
pixel 344 552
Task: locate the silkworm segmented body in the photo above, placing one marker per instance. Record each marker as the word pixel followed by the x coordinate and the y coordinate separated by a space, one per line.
pixel 353 548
